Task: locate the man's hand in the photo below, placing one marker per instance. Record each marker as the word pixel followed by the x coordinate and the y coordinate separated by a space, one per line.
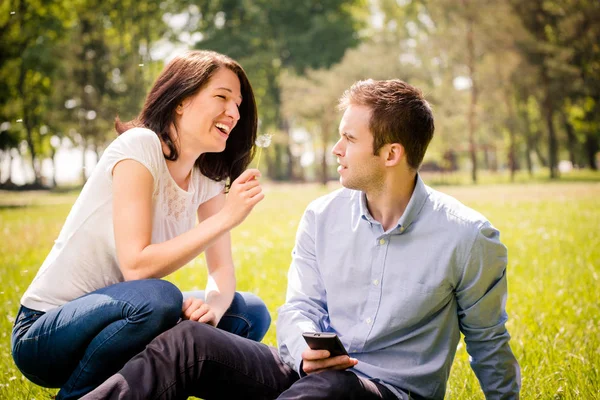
pixel 319 360
pixel 197 310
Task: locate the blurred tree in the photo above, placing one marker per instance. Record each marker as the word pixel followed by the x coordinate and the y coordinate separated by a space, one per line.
pixel 452 40
pixel 310 100
pixel 580 32
pixel 111 67
pixel 29 65
pixel 548 48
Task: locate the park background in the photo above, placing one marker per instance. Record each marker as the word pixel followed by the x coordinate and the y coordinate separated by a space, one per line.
pixel 515 89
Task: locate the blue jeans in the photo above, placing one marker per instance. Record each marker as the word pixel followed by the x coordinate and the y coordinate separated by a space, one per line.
pixel 80 344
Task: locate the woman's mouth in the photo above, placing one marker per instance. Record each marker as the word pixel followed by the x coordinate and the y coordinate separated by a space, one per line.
pixel 223 128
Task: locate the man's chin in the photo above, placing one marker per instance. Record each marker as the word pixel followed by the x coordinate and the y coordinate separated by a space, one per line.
pixel 348 184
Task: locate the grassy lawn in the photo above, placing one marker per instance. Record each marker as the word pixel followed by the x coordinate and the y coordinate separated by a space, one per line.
pixel 551 230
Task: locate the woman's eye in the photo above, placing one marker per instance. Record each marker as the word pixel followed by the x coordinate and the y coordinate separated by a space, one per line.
pixel 221 96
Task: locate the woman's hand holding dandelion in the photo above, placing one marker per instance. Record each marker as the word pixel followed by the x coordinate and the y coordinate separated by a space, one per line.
pixel 245 192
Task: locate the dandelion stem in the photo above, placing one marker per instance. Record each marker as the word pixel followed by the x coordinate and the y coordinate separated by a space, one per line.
pixel 259 153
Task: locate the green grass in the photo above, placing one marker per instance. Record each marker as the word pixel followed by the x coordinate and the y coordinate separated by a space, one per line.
pixel 551 230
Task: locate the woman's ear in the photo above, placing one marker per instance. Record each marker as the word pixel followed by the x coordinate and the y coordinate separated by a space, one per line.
pixel 394 153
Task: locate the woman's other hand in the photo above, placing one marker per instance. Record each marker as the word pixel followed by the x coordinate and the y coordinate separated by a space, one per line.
pixel 197 310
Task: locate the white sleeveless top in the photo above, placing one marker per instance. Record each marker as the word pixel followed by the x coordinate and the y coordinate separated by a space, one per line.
pixel 83 258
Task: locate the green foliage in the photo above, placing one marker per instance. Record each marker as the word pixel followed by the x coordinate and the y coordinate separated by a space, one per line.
pixel 68 68
pixel 554 269
pixel 32 35
pixel 97 57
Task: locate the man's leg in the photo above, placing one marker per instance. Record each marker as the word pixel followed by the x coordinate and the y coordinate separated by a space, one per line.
pixel 331 385
pixel 195 359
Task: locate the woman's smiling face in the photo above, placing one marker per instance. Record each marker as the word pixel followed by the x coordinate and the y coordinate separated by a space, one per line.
pixel 206 119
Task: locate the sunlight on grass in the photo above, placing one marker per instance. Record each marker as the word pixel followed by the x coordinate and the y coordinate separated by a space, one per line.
pixel 551 231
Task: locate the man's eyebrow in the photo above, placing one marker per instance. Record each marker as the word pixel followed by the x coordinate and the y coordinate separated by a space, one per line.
pixel 229 90
pixel 348 135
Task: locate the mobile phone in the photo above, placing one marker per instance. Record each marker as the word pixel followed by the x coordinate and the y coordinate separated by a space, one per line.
pixel 325 341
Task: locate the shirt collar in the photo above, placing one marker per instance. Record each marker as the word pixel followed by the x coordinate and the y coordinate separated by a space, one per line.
pixel 413 209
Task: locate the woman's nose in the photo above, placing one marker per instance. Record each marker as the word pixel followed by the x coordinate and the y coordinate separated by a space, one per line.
pixel 233 111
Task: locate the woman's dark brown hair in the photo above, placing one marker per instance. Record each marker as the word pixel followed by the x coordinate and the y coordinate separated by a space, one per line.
pixel 183 77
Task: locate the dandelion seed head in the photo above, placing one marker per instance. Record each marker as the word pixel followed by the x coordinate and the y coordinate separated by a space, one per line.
pixel 263 140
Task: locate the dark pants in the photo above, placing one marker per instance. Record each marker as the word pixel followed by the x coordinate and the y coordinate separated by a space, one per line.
pixel 195 359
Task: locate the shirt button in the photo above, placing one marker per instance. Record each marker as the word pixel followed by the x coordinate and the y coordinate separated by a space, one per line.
pixel 376 282
pixel 368 321
pixel 401 229
pixel 381 241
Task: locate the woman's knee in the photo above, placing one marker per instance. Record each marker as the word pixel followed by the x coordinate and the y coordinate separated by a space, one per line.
pixel 255 311
pixel 162 301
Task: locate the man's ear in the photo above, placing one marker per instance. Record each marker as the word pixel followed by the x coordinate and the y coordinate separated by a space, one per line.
pixel 394 153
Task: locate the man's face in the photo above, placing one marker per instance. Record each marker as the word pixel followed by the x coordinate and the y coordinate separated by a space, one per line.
pixel 359 168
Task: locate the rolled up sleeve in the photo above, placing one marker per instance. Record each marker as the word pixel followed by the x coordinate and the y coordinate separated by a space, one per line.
pixel 481 296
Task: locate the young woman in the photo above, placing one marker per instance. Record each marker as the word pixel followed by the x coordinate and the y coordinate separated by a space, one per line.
pixel 98 298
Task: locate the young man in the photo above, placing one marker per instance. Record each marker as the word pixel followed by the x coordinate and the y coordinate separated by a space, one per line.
pixel 395 268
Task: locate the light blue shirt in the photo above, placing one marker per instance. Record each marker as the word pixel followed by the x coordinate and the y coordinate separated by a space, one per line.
pixel 399 299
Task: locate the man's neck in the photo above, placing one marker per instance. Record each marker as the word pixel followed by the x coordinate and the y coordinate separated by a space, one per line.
pixel 388 203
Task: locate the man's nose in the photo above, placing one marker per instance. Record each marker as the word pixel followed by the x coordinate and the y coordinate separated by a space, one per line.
pixel 337 149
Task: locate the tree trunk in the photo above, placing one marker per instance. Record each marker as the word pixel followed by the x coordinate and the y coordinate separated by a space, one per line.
pixel 552 143
pixel 83 150
pixel 324 146
pixel 591 149
pixel 2 158
pixel 285 128
pixel 26 121
pixel 571 139
pixel 484 150
pixel 548 106
pixel 512 153
pixel 540 154
pixel 473 104
pixel 53 158
pixel 35 165
pixel 528 150
pixel 10 161
pixel 524 122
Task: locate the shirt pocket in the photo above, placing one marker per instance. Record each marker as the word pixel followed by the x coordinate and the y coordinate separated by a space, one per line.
pixel 415 303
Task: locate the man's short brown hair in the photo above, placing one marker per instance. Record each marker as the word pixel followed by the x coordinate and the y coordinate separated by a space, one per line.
pixel 399 114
